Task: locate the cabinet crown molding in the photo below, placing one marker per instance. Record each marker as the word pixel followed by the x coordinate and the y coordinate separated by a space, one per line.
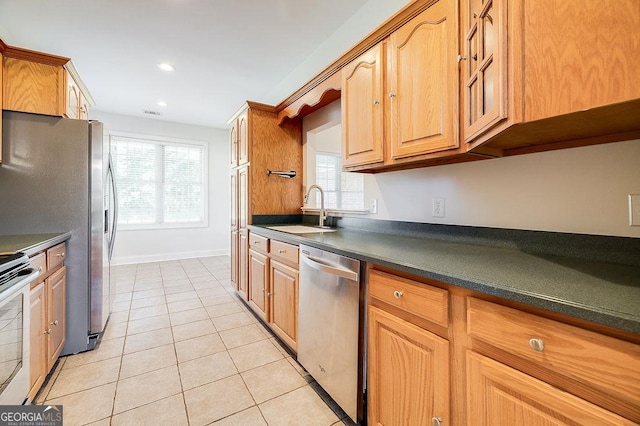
pixel 32 55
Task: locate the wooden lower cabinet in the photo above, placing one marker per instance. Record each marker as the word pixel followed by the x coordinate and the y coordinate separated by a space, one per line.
pixel 48 326
pixel 443 355
pixel 408 381
pixel 499 395
pixel 38 340
pixel 259 283
pixel 284 302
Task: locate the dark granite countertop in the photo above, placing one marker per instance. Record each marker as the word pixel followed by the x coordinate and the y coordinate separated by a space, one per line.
pixel 31 243
pixel 595 290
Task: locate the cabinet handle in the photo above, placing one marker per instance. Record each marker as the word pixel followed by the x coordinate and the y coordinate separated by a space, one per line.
pixel 461 58
pixel 397 294
pixel 60 254
pixel 436 421
pixel 282 251
pixel 392 95
pixel 47 331
pixel 54 323
pixel 376 102
pixel 39 268
pixel 536 344
pixel 269 294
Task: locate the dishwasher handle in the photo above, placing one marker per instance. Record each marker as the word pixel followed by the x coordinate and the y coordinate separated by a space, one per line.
pixel 332 268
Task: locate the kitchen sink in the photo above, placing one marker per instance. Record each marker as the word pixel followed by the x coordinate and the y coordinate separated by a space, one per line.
pixel 300 229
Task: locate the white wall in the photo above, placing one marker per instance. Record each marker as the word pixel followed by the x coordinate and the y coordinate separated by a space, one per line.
pixel 579 190
pixel 363 22
pixel 155 245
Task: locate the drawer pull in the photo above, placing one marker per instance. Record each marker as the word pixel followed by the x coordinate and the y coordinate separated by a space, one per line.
pixel 282 251
pixel 47 331
pixel 54 323
pixel 397 294
pixel 39 268
pixel 60 254
pixel 256 243
pixel 536 344
pixel 436 421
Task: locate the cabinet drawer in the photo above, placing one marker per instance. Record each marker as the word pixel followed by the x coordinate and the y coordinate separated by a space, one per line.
pixel 258 242
pixel 39 262
pixel 606 363
pixel 284 251
pixel 56 256
pixel 430 303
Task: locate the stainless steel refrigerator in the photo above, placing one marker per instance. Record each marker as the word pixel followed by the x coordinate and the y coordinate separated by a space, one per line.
pixel 55 176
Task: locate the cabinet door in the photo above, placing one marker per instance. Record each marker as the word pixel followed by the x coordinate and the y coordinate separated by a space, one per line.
pixel 259 283
pixel 502 396
pixel 408 373
pixel 243 197
pixel 38 340
pixel 243 139
pixel 233 191
pixel 56 314
pixel 284 302
pixel 484 66
pixel 235 261
pixel 362 109
pixel 83 109
pixel 72 98
pixel 233 144
pixel 243 263
pixel 423 83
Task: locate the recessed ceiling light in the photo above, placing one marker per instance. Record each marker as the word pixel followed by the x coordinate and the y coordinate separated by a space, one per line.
pixel 162 103
pixel 166 66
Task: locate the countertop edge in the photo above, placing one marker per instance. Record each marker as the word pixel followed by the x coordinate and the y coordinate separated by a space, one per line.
pixel 45 244
pixel 613 319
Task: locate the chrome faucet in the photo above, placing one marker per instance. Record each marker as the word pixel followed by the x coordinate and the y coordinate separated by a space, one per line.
pixel 323 215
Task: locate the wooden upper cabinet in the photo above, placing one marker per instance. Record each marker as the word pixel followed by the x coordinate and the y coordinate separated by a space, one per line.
pixel 41 83
pixel 34 87
pixel 484 66
pixel 543 75
pixel 400 98
pixel 363 108
pixel 423 83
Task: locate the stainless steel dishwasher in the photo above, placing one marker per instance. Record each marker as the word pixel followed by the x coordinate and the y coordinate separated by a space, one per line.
pixel 330 326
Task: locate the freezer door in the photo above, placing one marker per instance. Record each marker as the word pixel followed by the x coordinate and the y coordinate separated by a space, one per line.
pixel 99 289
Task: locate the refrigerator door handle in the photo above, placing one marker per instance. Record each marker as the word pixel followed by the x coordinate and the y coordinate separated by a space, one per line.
pixel 114 191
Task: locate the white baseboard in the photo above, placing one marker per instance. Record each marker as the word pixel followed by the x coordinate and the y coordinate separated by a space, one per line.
pixel 162 257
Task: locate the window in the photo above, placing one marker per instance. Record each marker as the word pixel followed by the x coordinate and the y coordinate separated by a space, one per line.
pixel 342 190
pixel 161 182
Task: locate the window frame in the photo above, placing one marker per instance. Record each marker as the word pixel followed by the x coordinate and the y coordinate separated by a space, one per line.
pixel 169 141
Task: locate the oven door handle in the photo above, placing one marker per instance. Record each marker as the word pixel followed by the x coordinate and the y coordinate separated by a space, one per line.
pixel 326 266
pixel 17 287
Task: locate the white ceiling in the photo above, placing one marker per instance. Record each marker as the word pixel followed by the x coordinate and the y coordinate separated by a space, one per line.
pixel 225 51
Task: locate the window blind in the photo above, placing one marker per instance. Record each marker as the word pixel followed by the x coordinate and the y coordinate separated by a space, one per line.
pixel 159 183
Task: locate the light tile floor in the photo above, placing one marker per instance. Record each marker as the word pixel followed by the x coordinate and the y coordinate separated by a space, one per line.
pixel 181 349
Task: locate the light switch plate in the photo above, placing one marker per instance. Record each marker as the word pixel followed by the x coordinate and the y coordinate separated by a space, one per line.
pixel 634 209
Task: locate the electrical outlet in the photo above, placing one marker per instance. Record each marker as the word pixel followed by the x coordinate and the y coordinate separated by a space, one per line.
pixel 438 207
pixel 634 209
pixel 373 207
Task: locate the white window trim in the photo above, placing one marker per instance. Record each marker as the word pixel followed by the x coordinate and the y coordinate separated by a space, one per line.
pixel 337 211
pixel 205 187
